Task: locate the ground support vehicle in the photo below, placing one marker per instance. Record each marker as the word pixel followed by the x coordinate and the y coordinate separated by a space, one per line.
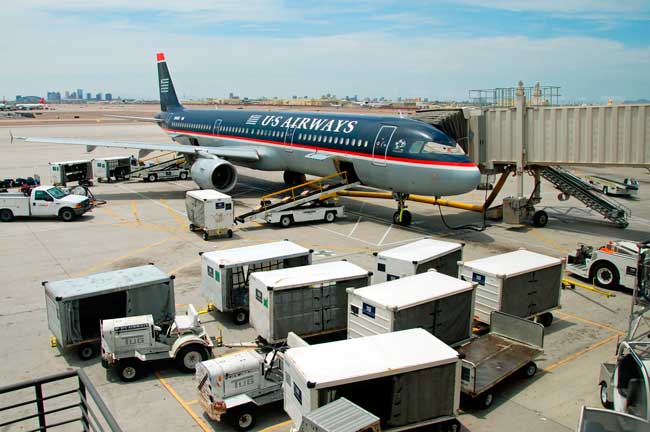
pixel 127 343
pixel 418 257
pixel 225 273
pixel 210 211
pixel 608 266
pixel 628 187
pixel 521 283
pixel 625 385
pixel 62 173
pixel 598 420
pixel 406 388
pixel 308 300
pixel 233 387
pixel 308 201
pixel 76 306
pixel 43 201
pixel 511 346
pixel 440 304
pixel 112 168
pixel 168 170
pixel 340 413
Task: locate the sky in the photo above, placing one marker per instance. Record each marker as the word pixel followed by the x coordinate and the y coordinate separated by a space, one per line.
pixel 593 49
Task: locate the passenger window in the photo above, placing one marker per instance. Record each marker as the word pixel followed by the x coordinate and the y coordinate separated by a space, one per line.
pixel 299 136
pixel 336 140
pixel 354 141
pixel 347 141
pixel 329 140
pixel 320 138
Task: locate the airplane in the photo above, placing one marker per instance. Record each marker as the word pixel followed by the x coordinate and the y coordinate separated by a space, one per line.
pixel 31 106
pixel 401 155
pixel 368 104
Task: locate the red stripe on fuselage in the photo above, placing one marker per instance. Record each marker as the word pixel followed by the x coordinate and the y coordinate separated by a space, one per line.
pixel 326 149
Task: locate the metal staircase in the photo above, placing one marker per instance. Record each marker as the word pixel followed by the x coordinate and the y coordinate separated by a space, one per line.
pixel 574 186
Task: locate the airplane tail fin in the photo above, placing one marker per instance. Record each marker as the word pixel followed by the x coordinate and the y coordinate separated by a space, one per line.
pixel 168 98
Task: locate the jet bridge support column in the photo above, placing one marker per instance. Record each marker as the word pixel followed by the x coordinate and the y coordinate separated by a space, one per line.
pixel 520 149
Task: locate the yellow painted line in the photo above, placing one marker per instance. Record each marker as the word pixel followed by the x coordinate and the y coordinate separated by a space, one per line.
pixel 135 212
pixel 175 215
pixel 192 402
pixel 130 254
pixel 549 242
pixel 202 424
pixel 581 352
pixel 277 426
pixel 593 323
pixel 115 215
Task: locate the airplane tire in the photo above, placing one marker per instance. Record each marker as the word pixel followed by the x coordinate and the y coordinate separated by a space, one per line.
pixel 405 220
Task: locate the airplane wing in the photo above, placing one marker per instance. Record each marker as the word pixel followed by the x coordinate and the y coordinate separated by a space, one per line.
pixel 144 119
pixel 240 153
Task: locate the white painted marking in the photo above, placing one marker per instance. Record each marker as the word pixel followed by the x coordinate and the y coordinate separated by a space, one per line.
pixel 355 226
pixel 385 235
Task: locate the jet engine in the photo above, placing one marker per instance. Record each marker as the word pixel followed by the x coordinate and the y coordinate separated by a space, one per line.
pixel 214 173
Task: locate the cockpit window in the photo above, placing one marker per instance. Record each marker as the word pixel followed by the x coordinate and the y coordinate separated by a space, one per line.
pixel 427 147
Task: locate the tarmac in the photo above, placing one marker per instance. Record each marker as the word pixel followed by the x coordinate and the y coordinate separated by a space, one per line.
pixel 146 222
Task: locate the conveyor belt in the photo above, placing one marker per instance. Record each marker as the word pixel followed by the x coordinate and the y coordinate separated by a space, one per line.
pixel 576 187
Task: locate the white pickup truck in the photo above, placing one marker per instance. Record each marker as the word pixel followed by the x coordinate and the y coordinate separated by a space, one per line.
pixel 44 201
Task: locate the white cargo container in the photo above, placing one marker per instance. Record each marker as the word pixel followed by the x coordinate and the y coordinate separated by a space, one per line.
pixel 408 378
pixel 225 273
pixel 418 257
pixel 210 211
pixel 440 304
pixel 306 300
pixel 521 283
pixel 108 168
pixel 69 171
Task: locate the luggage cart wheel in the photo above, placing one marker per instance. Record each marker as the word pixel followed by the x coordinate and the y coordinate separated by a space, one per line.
pixel 192 227
pixel 603 396
pixel 86 351
pixel 240 316
pixel 530 370
pixel 229 233
pixel 545 319
pixel 487 399
pixel 451 426
pixel 206 236
pixel 540 219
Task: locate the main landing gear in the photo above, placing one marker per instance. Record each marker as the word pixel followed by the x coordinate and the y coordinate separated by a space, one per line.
pixel 401 216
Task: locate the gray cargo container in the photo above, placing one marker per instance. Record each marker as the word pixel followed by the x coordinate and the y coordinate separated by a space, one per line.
pixel 76 306
pixel 340 416
pixel 521 283
pixel 418 257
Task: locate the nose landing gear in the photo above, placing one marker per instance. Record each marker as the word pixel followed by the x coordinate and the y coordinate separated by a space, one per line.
pixel 401 216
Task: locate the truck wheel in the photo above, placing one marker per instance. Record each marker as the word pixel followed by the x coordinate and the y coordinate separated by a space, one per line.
pixel 243 419
pixel 240 316
pixel 330 217
pixel 545 319
pixel 540 219
pixel 6 215
pixel 603 396
pixel 206 236
pixel 530 370
pixel 192 227
pixel 66 214
pixel 605 274
pixel 152 177
pixel 188 357
pixel 285 221
pixel 129 370
pixel 86 351
pixel 183 176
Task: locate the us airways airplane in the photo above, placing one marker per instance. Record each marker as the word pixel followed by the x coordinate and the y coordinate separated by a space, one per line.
pixel 401 155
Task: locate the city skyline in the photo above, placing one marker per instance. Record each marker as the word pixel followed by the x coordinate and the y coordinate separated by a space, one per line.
pixel 440 50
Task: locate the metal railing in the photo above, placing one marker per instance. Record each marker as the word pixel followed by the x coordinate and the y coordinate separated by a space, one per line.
pixel 79 404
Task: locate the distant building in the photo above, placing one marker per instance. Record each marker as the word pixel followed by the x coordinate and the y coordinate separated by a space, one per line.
pixel 98 96
pixel 109 97
pixel 19 98
pixel 89 96
pixel 80 93
pixel 54 96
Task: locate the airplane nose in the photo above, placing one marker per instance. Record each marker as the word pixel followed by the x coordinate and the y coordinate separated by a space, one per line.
pixel 467 180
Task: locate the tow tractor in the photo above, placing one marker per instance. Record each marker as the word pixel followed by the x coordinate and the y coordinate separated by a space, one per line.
pixel 234 386
pixel 127 343
pixel 610 265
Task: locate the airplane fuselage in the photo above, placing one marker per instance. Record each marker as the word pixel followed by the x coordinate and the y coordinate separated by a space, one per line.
pixel 398 154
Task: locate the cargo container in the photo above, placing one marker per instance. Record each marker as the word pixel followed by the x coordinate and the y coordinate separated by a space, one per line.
pixel 76 306
pixel 521 283
pixel 306 300
pixel 62 173
pixel 225 273
pixel 340 416
pixel 112 168
pixel 408 379
pixel 210 211
pixel 440 304
pixel 418 257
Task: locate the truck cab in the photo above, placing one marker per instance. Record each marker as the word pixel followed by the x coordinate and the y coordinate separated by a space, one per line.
pixel 625 385
pixel 43 201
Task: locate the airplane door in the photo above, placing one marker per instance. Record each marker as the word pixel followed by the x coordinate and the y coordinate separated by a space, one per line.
pixel 216 127
pixel 380 146
pixel 288 139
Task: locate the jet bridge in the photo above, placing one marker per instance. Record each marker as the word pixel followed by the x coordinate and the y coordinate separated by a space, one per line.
pixel 522 138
